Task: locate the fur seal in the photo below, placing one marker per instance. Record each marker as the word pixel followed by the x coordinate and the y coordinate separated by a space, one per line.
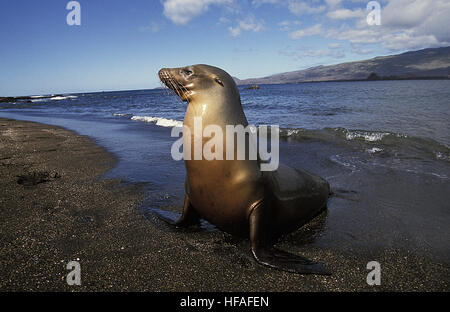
pixel 235 195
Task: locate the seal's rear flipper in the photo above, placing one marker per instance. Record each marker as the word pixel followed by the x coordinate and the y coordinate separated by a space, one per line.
pixel 188 218
pixel 264 254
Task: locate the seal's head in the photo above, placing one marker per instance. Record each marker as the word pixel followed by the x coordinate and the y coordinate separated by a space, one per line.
pixel 192 82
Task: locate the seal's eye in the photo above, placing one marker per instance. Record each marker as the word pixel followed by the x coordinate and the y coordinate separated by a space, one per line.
pixel 217 79
pixel 186 72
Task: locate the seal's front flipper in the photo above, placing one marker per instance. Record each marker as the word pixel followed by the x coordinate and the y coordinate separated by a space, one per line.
pixel 272 257
pixel 188 218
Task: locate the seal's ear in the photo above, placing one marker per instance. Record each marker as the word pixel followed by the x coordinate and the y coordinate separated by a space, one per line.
pixel 217 79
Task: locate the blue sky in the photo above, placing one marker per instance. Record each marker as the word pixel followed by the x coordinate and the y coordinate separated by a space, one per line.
pixel 121 44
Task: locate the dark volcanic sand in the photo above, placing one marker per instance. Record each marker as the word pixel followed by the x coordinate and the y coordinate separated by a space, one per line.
pixel 54 208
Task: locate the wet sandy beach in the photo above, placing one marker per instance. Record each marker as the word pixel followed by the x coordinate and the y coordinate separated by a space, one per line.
pixel 56 207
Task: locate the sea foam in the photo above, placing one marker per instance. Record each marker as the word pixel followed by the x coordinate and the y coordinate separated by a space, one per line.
pixel 43 98
pixel 367 136
pixel 159 121
pixel 58 98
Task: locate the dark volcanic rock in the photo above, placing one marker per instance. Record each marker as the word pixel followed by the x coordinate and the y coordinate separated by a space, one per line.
pixel 34 178
pixel 373 76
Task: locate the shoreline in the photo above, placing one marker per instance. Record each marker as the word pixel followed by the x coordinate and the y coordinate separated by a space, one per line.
pixel 57 207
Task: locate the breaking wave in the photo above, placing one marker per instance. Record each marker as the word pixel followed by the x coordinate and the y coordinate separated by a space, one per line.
pixel 159 121
pixel 42 98
pixel 373 142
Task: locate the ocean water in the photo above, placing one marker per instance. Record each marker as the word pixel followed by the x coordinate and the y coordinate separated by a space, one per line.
pixel 384 146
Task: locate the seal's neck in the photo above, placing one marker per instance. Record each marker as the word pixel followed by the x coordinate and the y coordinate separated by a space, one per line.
pixel 218 109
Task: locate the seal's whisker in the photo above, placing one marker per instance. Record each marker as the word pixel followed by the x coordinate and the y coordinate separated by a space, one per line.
pixel 174 87
pixel 166 89
pixel 167 84
pixel 185 90
pixel 178 87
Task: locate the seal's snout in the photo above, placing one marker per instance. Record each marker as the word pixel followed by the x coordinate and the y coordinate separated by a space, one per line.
pixel 170 80
pixel 163 73
pixel 165 77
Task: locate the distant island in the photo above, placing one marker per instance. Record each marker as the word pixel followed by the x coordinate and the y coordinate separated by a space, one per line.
pixel 432 63
pixel 27 99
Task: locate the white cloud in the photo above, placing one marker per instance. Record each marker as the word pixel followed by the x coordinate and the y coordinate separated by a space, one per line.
pixel 359 50
pixel 234 31
pixel 252 25
pixel 424 17
pixel 182 11
pixel 405 25
pixel 286 25
pixel 259 2
pixel 402 40
pixel 310 31
pixel 407 13
pixel 248 24
pixel 334 45
pixel 341 14
pixel 333 3
pixel 300 53
pixel 407 40
pixel 301 7
pixel 223 20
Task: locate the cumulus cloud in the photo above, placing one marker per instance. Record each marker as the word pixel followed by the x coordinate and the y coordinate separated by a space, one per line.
pixel 423 17
pixel 341 14
pixel 302 7
pixel 301 53
pixel 223 20
pixel 234 31
pixel 359 50
pixel 405 25
pixel 305 32
pixel 182 11
pixel 334 45
pixel 408 13
pixel 248 24
pixel 333 3
pixel 259 2
pixel 287 25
